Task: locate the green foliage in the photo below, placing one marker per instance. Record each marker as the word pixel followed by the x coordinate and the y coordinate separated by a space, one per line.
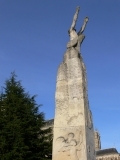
pixel 21 134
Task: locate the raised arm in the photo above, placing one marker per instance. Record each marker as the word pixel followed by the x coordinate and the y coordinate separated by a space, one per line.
pixel 83 26
pixel 75 18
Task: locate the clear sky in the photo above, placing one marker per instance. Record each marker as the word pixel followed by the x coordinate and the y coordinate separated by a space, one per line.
pixel 33 38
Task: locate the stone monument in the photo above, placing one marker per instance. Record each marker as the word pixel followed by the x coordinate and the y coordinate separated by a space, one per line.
pixel 73 128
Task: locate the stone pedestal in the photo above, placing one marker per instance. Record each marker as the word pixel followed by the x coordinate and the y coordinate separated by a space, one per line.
pixel 73 128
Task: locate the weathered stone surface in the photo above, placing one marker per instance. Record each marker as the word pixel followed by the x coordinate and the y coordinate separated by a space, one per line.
pixel 73 127
pixel 97 140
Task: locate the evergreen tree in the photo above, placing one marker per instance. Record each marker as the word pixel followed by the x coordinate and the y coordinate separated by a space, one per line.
pixel 21 134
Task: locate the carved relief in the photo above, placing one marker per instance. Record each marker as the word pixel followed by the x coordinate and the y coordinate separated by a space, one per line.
pixel 72 115
pixel 74 119
pixel 70 145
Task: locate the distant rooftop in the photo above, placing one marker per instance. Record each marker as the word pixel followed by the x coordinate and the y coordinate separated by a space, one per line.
pixel 49 123
pixel 106 151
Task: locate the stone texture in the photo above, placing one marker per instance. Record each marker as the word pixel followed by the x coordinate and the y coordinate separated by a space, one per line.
pixel 97 140
pixel 101 154
pixel 72 116
pixel 73 128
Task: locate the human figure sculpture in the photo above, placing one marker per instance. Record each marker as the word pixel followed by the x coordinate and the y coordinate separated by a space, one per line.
pixel 70 145
pixel 76 38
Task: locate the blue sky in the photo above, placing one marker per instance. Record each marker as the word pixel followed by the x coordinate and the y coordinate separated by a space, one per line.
pixel 33 38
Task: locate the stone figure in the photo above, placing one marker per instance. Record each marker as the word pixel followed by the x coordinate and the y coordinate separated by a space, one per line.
pixel 72 147
pixel 76 38
pixel 70 144
pixel 73 128
pixel 70 137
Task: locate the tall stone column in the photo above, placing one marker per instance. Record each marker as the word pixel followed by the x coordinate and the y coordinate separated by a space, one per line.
pixel 73 128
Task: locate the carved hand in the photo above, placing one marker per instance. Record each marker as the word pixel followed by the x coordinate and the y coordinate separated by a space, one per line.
pixel 78 8
pixel 86 19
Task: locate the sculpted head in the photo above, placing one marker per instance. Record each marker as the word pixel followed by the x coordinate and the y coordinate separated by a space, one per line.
pixel 70 136
pixel 72 33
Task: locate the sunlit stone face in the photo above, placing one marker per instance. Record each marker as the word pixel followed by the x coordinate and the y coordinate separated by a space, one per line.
pixel 72 34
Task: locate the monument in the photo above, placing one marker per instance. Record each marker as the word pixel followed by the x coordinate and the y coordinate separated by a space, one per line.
pixel 73 128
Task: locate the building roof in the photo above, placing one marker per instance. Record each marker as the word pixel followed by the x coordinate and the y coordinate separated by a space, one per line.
pixel 49 123
pixel 106 151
